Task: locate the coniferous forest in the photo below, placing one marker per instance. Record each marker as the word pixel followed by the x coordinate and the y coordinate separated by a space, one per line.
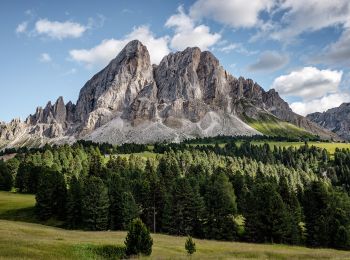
pixel 239 191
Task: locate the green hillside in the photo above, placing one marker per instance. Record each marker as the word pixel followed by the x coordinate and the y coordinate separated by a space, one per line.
pixel 21 240
pixel 271 126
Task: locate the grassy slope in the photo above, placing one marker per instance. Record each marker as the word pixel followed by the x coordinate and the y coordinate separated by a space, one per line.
pixel 15 206
pixel 271 126
pixel 330 147
pixel 34 241
pixel 19 240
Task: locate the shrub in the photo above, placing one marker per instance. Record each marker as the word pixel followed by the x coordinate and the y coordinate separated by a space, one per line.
pixel 138 240
pixel 190 246
pixel 110 251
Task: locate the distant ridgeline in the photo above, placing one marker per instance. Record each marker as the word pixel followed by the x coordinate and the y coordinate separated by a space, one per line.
pixel 228 189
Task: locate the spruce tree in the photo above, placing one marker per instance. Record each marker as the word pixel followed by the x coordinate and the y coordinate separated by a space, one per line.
pixel 138 240
pixel 74 203
pixel 6 180
pixel 266 217
pixel 129 210
pixel 95 204
pixel 115 192
pixel 316 200
pixel 221 207
pixel 51 194
pixel 190 246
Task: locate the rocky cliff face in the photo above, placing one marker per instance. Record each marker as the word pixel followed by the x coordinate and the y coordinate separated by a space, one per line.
pixel 336 120
pixel 188 94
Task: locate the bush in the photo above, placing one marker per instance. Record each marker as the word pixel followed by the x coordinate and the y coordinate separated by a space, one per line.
pixel 190 246
pixel 138 240
pixel 109 251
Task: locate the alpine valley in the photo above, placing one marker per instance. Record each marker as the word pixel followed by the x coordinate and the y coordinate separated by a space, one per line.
pixel 189 94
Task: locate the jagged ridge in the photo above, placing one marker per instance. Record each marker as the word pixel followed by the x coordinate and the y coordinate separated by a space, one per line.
pixel 188 94
pixel 335 119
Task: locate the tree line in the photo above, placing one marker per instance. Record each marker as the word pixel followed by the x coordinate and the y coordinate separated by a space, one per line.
pixel 243 192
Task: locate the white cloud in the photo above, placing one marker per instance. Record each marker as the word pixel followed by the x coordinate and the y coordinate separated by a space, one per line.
pixel 45 57
pixel 230 47
pixel 109 48
pixel 308 83
pixel 321 104
pixel 312 15
pixel 59 30
pixel 235 13
pixel 337 52
pixel 187 34
pixel 269 61
pixel 22 27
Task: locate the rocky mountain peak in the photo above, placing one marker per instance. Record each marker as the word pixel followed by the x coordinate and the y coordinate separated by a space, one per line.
pixel 188 94
pixel 335 119
pixel 113 89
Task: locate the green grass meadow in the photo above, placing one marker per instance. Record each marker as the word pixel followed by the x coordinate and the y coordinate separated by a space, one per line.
pixel 23 240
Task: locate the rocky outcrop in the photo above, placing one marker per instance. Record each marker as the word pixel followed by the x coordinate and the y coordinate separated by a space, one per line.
pixel 335 119
pixel 112 90
pixel 188 94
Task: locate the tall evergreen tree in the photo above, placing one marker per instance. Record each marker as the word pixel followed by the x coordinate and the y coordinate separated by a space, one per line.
pixel 95 204
pixel 115 192
pixel 51 194
pixel 221 207
pixel 129 210
pixel 267 217
pixel 6 180
pixel 74 203
pixel 316 201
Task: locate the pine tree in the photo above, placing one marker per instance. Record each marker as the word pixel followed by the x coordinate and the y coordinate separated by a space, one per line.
pixel 95 204
pixel 266 217
pixel 51 194
pixel 138 240
pixel 74 203
pixel 190 246
pixel 129 210
pixel 316 199
pixel 185 208
pixel 115 191
pixel 6 180
pixel 221 207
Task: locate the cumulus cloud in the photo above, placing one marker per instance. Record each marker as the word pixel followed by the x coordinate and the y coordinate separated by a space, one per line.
pixel 22 27
pixel 269 61
pixel 235 13
pixel 312 15
pixel 187 34
pixel 320 104
pixel 308 83
pixel 337 52
pixel 45 57
pixel 109 48
pixel 59 30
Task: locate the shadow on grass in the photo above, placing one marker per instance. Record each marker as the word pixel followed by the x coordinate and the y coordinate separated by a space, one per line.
pixel 28 215
pixel 24 214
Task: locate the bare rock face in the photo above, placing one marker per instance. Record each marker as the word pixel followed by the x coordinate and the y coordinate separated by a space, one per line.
pixel 189 94
pixel 335 119
pixel 113 89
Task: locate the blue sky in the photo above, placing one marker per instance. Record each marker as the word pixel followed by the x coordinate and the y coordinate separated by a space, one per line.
pixel 51 48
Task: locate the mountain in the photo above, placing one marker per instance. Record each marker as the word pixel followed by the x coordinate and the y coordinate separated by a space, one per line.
pixel 189 94
pixel 335 119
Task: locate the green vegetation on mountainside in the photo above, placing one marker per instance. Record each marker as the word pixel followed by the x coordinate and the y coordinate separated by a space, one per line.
pixel 271 126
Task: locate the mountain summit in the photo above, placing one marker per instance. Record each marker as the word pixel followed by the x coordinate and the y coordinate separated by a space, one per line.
pixel 335 119
pixel 189 94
